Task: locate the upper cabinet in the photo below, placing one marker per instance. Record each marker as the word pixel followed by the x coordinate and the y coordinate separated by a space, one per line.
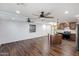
pixel 61 26
pixel 72 25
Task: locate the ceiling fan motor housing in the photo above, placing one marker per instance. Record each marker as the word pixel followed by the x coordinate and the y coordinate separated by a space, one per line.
pixel 28 20
pixel 42 14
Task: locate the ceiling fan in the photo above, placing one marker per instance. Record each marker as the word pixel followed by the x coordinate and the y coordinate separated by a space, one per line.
pixel 44 15
pixel 32 21
pixel 29 21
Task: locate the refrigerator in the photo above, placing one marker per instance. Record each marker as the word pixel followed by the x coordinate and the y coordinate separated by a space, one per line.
pixel 77 37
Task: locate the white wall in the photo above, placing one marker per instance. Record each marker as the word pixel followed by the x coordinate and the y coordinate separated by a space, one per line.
pixel 14 31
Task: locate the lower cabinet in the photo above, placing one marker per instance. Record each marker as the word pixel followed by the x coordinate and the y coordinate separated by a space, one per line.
pixel 56 39
pixel 73 37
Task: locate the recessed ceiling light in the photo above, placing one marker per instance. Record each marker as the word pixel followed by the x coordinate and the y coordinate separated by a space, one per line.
pixel 17 11
pixel 44 26
pixel 66 12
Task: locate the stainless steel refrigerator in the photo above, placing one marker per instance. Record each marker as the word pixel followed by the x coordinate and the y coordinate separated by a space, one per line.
pixel 77 37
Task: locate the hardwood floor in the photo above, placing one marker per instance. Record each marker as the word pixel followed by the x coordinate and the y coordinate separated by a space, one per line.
pixel 38 47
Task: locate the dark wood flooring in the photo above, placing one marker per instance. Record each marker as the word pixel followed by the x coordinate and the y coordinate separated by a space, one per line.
pixel 38 47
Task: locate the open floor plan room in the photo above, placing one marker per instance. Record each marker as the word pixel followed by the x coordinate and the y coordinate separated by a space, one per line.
pixel 39 29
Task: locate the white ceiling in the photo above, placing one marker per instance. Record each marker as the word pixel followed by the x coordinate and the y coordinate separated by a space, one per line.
pixel 27 9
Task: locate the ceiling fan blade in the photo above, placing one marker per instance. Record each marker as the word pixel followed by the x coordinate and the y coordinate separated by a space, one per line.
pixel 49 17
pixel 47 14
pixel 35 15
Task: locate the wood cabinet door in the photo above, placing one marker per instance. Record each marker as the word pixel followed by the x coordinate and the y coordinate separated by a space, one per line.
pixel 72 25
pixel 61 26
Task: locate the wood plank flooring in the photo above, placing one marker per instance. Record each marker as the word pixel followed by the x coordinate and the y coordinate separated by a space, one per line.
pixel 38 47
